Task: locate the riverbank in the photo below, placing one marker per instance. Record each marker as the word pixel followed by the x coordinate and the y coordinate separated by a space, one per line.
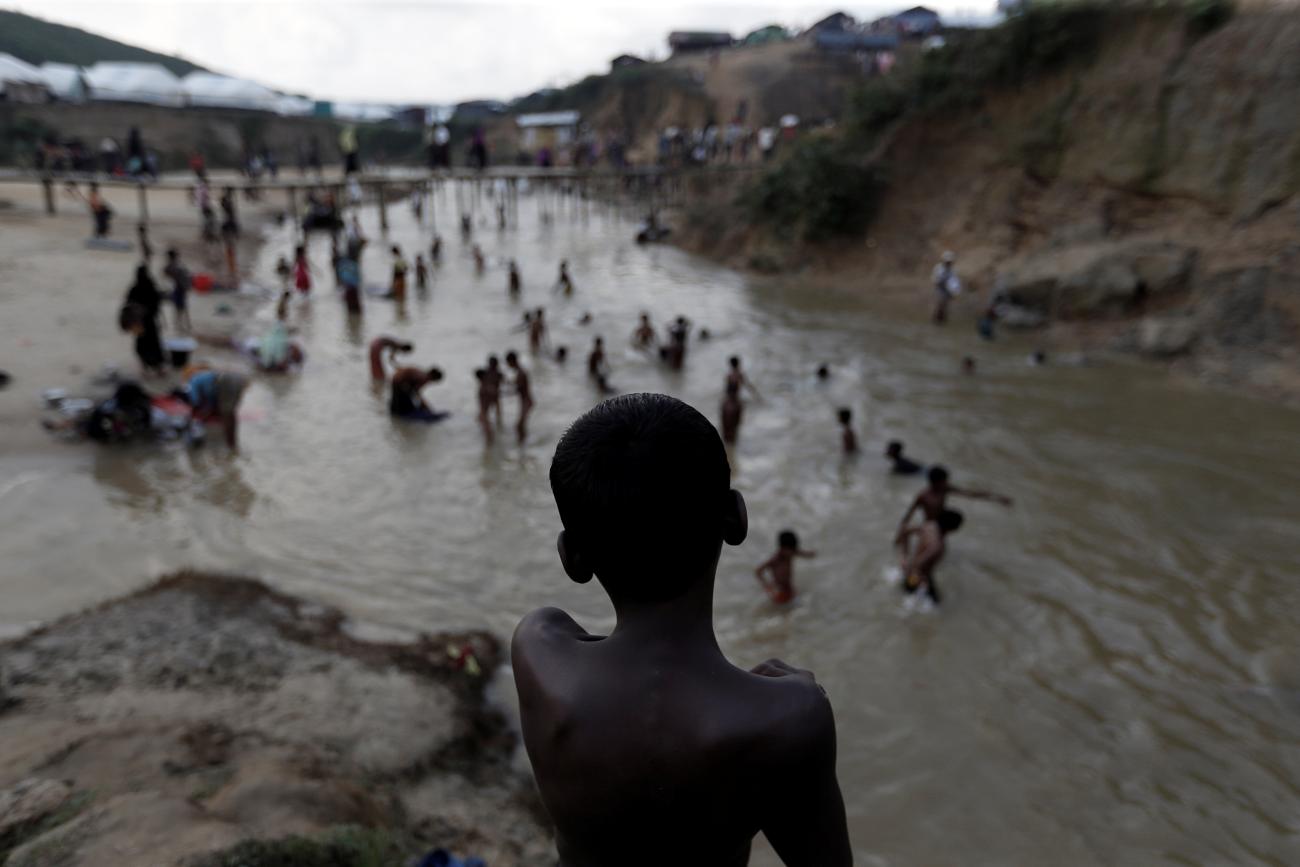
pixel 61 298
pixel 206 710
pixel 1169 237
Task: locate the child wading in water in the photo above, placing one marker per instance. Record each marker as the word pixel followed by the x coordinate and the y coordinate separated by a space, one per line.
pixel 649 746
pixel 301 270
pixel 397 291
pixel 779 568
pixel 421 272
pixel 847 437
pixel 918 565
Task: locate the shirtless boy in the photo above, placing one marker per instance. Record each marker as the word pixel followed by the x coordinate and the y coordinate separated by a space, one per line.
pixel 900 464
pixel 644 335
pixel 918 564
pixel 516 282
pixel 648 745
pixel 934 499
pixel 523 387
pixel 847 437
pixel 777 574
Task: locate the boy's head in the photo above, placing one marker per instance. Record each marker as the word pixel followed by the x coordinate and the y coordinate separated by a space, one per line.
pixel 493 362
pixel 600 342
pixel 823 372
pixel 949 521
pixel 845 415
pixel 512 359
pixel 401 347
pixel 300 251
pixel 561 353
pixel 894 449
pixel 433 374
pixel 734 362
pixel 938 477
pixel 397 251
pixel 172 254
pixel 642 485
pixel 786 540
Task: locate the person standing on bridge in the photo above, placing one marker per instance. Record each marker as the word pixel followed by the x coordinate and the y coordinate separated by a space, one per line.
pixel 478 154
pixel 350 150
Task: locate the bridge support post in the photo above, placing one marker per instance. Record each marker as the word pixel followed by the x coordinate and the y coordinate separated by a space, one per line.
pixel 144 205
pixel 383 207
pixel 47 183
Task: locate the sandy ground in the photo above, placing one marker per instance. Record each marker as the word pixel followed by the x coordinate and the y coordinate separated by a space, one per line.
pixel 204 711
pixel 60 299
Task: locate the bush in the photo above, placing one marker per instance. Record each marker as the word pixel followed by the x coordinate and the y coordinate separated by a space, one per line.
pixel 820 191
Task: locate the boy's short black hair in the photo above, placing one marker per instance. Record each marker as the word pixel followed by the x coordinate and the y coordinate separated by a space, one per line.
pixel 938 475
pixel 512 357
pixel 434 374
pixel 895 447
pixel 950 521
pixel 788 540
pixel 734 361
pixel 845 415
pixel 641 482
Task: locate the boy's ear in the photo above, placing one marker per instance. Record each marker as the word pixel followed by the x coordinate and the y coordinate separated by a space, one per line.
pixel 571 558
pixel 735 519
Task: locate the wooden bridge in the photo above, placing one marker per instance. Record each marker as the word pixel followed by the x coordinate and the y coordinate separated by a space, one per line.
pixel 646 187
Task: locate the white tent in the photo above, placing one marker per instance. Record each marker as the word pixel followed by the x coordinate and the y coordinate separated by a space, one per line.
pixel 208 89
pixel 20 80
pixel 294 106
pixel 64 81
pixel 362 111
pixel 134 82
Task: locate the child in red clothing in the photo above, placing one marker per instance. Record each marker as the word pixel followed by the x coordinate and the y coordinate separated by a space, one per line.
pixel 301 270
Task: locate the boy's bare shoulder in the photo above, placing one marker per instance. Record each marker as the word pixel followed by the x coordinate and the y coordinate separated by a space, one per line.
pixel 797 721
pixel 541 630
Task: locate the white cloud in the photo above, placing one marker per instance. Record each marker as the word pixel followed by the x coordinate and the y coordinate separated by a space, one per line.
pixel 422 51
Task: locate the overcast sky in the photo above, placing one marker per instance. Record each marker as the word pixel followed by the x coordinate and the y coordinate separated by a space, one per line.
pixel 425 51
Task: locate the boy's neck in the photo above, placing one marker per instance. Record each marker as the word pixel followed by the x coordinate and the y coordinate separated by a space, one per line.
pixel 684 622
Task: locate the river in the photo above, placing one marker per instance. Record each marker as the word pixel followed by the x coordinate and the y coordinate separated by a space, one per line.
pixel 1114 676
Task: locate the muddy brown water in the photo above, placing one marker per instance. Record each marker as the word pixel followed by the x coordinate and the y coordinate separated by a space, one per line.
pixel 1114 677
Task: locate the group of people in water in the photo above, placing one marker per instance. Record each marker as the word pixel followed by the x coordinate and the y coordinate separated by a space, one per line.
pixel 214 395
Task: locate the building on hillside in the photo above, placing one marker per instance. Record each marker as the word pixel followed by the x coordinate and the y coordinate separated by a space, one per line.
pixel 687 41
pixel 550 130
pixel 918 22
pixel 626 61
pixel 65 81
pixel 21 82
pixel 150 83
pixel 849 42
pixel 208 90
pixel 478 110
pixel 766 35
pixel 836 22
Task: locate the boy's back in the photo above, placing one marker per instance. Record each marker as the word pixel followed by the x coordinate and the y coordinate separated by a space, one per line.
pixel 661 759
pixel 649 747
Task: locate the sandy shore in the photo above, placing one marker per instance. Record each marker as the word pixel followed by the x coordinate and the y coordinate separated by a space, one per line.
pixel 60 299
pixel 205 711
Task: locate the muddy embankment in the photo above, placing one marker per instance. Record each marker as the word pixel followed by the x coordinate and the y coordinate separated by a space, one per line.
pixel 209 720
pixel 1141 196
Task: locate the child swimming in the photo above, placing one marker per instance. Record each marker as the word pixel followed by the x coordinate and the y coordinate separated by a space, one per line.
pixel 779 568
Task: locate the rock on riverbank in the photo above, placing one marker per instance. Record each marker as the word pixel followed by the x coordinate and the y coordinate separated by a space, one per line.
pixel 205 711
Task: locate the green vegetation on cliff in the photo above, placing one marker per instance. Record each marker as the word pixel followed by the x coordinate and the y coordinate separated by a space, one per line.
pixel 38 41
pixel 829 185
